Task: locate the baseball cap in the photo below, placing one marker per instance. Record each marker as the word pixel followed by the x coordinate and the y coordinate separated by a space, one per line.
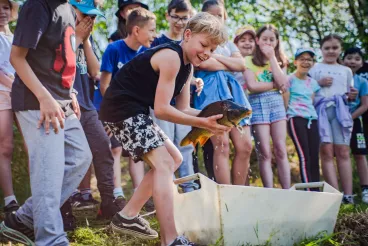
pixel 123 3
pixel 87 7
pixel 304 50
pixel 243 30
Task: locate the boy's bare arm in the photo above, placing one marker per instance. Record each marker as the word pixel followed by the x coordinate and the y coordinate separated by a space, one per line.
pixel 235 63
pixel 93 66
pixel 105 82
pixel 182 101
pixel 167 64
pixel 51 112
pixel 212 65
pixel 362 108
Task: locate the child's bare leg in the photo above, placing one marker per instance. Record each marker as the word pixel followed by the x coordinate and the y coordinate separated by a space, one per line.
pixel 136 171
pixel 278 133
pixel 328 168
pixel 262 143
pixel 243 149
pixel 221 152
pixel 163 161
pixel 86 182
pixel 6 151
pixel 344 166
pixel 362 168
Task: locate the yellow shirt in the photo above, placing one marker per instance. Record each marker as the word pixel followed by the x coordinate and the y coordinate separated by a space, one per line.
pixel 263 74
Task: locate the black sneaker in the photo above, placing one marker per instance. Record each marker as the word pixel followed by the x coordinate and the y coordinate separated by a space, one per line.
pixel 11 207
pixel 182 241
pixel 78 203
pixel 136 227
pixel 120 201
pixel 69 220
pixel 15 230
pixel 107 210
pixel 149 207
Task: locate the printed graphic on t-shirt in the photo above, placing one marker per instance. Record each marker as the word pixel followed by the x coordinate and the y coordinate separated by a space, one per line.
pixel 361 141
pixel 81 61
pixel 120 65
pixel 65 60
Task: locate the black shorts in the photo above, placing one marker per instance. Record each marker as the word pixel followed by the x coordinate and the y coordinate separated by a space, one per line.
pixel 138 135
pixel 357 143
pixel 114 143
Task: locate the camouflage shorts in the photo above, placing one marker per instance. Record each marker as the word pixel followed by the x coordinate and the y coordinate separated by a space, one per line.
pixel 138 135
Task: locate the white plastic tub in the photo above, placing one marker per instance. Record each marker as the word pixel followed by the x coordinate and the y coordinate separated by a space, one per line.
pixel 243 214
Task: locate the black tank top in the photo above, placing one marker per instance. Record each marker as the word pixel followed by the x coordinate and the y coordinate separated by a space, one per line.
pixel 132 90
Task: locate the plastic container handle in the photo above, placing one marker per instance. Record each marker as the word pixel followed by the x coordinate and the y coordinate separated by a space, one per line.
pixel 309 185
pixel 186 179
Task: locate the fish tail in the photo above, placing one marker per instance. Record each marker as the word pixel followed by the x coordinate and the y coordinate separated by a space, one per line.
pixel 202 140
pixel 186 141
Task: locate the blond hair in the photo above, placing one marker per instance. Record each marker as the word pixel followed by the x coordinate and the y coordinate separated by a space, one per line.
pixel 138 17
pixel 205 23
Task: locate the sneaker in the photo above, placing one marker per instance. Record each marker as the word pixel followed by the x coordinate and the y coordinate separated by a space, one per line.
pixel 78 203
pixel 120 201
pixel 108 210
pixel 136 227
pixel 149 207
pixel 365 195
pixel 182 241
pixel 15 230
pixel 11 207
pixel 348 199
pixel 69 220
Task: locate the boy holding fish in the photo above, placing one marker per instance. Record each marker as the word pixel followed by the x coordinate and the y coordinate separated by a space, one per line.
pixel 165 73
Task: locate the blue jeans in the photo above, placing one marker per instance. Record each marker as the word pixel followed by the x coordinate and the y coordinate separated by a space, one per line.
pixel 57 164
pixel 176 133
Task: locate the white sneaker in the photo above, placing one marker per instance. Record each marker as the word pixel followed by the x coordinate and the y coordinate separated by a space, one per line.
pixel 365 196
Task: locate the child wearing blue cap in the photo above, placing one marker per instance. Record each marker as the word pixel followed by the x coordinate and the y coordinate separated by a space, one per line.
pixel 103 161
pixel 302 116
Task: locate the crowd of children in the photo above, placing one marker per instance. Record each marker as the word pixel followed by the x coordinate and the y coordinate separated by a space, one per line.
pixel 149 91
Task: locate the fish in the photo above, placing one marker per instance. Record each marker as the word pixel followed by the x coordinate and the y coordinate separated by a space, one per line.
pixel 232 113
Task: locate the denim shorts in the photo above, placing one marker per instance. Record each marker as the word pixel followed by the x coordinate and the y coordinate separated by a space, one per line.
pixel 335 130
pixel 268 107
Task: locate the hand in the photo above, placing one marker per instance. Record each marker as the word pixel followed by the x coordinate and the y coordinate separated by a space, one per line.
pixel 84 28
pixel 283 88
pixel 75 105
pixel 210 123
pixel 268 51
pixel 325 81
pixel 198 82
pixel 51 112
pixel 352 95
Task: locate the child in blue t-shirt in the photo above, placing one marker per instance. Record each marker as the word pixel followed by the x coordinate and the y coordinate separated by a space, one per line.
pixel 141 27
pixel 302 116
pixel 353 58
